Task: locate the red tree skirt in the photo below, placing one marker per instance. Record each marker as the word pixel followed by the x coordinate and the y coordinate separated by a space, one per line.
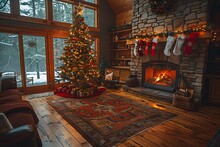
pixel 69 95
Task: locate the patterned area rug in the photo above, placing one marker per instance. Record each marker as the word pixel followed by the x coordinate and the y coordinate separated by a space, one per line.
pixel 108 119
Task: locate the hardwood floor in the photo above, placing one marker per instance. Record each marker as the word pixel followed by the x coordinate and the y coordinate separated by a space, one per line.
pixel 187 129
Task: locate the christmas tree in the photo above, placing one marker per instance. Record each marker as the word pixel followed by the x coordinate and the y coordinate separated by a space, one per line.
pixel 79 64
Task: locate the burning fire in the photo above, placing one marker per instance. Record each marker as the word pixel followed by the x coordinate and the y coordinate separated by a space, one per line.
pixel 161 76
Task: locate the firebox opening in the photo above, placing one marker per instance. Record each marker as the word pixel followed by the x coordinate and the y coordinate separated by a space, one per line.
pixel 160 75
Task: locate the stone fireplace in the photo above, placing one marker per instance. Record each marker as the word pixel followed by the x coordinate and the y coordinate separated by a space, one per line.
pixel 183 15
pixel 160 75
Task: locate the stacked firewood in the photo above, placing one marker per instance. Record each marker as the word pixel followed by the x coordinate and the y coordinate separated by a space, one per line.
pixel 183 92
pixel 183 87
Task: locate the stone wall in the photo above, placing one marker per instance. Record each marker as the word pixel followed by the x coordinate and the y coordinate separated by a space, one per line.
pixel 184 15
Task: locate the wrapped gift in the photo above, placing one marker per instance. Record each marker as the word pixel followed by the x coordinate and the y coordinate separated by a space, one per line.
pixel 59 89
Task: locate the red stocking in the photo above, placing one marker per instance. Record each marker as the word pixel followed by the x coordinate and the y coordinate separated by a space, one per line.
pixel 147 46
pixel 191 40
pixel 154 44
pixel 141 45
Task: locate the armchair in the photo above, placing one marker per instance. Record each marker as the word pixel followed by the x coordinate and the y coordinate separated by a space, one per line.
pixel 21 116
pixel 22 136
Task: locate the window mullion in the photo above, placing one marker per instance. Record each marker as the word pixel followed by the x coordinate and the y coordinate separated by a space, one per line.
pixel 15 10
pixel 49 10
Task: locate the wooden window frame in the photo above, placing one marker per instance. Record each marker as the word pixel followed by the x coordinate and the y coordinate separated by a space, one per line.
pixel 15 14
pixel 47 28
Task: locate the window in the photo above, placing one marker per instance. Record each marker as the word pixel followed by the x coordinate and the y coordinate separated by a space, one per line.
pixel 33 8
pixel 40 29
pixel 10 56
pixel 62 11
pixel 90 17
pixel 91 1
pixel 5 6
pixel 35 60
pixel 58 44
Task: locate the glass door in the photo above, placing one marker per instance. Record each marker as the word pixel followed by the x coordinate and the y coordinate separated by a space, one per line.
pixel 58 45
pixel 10 56
pixel 34 60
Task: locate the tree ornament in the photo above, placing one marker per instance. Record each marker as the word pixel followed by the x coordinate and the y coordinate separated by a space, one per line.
pixel 80 9
pixel 81 19
pixel 169 44
pixel 179 43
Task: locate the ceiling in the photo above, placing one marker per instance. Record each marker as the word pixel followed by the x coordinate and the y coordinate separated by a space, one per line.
pixel 119 6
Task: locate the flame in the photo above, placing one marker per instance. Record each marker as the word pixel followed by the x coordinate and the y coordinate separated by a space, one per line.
pixel 160 76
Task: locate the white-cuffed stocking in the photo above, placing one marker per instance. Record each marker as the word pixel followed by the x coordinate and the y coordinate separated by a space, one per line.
pixel 135 47
pixel 179 43
pixel 169 44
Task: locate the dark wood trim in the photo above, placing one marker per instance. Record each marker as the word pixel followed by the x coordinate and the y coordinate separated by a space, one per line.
pixel 22 65
pixel 49 10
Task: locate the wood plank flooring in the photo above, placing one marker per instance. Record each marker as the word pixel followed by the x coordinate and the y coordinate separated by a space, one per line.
pixel 187 129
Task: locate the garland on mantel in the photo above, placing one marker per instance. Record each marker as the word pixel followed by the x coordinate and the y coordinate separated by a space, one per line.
pixel 173 33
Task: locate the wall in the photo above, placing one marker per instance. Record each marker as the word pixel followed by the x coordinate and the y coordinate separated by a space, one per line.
pixel 107 20
pixel 184 15
pixel 122 10
pixel 124 17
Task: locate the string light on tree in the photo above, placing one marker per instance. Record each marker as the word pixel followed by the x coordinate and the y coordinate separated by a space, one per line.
pixel 79 65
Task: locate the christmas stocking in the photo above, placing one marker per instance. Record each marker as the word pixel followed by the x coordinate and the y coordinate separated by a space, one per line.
pixel 179 43
pixel 191 40
pixel 169 44
pixel 154 44
pixel 135 47
pixel 140 47
pixel 147 44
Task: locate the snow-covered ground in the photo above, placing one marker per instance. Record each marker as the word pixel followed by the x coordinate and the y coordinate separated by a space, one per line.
pixel 42 80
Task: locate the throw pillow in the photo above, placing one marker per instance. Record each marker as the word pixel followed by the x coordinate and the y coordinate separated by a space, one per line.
pixel 109 76
pixel 5 125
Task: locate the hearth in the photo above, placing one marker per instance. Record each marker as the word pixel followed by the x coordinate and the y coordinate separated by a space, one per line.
pixel 160 75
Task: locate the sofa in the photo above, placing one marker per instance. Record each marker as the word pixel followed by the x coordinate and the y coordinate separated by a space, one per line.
pixel 18 121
